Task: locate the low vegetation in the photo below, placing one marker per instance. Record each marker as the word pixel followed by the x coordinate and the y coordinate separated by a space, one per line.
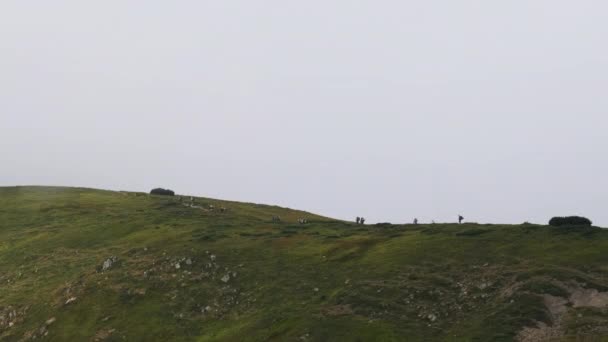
pixel 89 265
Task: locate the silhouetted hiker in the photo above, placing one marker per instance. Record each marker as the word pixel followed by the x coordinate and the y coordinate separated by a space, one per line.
pixel 358 220
pixel 415 221
pixel 362 220
pixel 460 218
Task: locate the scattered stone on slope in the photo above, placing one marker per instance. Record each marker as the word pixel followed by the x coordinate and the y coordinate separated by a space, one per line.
pixel 226 278
pixel 107 264
pixel 10 316
pixel 542 332
pixel 103 334
pixel 484 285
pixel 70 300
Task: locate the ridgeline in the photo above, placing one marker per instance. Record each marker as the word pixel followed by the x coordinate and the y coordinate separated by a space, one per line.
pixel 90 265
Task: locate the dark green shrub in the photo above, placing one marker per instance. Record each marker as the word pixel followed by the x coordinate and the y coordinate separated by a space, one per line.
pixel 569 221
pixel 164 192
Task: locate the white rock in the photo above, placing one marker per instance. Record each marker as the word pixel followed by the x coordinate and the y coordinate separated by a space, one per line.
pixel 108 263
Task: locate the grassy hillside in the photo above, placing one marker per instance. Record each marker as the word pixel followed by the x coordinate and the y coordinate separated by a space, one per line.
pixel 81 264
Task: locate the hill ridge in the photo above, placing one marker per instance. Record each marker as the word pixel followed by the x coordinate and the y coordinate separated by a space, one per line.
pixel 88 264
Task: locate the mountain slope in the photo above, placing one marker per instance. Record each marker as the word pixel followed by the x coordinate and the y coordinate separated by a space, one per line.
pixel 82 264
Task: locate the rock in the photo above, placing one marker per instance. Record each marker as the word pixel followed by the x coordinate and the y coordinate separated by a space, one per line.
pixel 432 317
pixel 212 257
pixel 226 278
pixel 347 282
pixel 316 289
pixel 177 266
pixel 188 261
pixel 484 285
pixel 70 300
pixel 108 263
pixel 50 321
pixel 43 331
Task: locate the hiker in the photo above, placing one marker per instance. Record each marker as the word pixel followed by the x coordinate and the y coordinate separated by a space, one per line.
pixel 415 221
pixel 460 218
pixel 358 220
pixel 362 220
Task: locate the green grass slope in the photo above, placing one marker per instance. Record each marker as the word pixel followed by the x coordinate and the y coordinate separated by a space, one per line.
pixel 180 273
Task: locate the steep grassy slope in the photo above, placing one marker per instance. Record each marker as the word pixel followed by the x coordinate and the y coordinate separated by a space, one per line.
pixel 193 274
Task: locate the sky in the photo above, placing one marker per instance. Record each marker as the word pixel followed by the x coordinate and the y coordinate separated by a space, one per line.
pixel 391 110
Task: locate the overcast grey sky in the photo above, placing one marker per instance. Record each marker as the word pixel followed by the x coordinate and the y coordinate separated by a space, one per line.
pixel 385 109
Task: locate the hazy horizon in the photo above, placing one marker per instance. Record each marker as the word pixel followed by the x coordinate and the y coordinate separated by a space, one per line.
pixel 388 110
